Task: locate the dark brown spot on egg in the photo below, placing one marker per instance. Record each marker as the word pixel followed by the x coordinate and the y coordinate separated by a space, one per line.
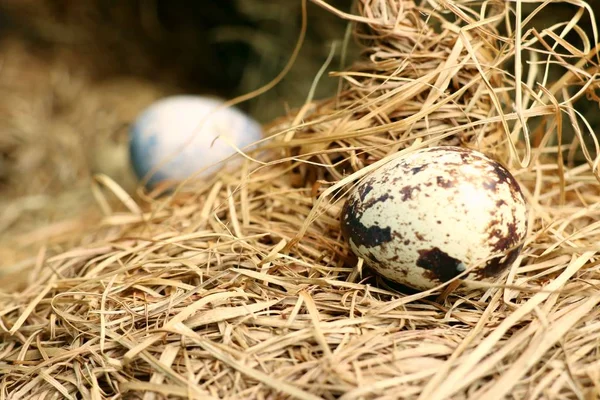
pixel 503 242
pixel 361 235
pixel 419 236
pixel 379 199
pixel 397 236
pixel 504 176
pixel 444 183
pixel 491 227
pixel 464 156
pixel 406 192
pixel 496 265
pixel 440 265
pixel 416 170
pixel 364 190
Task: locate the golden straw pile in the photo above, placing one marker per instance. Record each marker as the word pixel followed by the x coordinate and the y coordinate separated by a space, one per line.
pixel 242 287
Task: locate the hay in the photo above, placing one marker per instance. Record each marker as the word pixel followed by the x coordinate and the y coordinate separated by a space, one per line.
pixel 241 286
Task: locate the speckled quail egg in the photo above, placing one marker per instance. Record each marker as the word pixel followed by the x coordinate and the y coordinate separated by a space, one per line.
pixel 181 136
pixel 422 219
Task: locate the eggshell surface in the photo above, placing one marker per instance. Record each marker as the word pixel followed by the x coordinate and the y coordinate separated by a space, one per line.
pixel 186 135
pixel 425 218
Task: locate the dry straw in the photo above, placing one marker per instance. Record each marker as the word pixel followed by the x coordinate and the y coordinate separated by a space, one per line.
pixel 241 286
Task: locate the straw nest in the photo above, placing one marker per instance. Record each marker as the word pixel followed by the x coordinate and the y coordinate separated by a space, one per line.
pixel 241 286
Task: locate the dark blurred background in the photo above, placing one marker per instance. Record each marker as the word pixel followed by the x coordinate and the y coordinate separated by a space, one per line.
pixel 221 47
pixel 74 75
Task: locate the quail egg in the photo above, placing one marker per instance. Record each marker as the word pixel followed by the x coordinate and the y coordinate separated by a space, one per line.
pixel 183 135
pixel 422 219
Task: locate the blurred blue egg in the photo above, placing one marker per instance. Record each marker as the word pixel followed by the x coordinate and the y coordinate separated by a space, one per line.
pixel 183 135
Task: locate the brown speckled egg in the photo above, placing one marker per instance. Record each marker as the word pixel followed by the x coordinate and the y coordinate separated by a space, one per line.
pixel 422 219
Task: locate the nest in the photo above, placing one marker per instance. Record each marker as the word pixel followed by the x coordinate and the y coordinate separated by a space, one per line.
pixel 242 287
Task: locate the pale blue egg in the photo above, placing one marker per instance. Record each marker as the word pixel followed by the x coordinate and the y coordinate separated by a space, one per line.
pixel 187 136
